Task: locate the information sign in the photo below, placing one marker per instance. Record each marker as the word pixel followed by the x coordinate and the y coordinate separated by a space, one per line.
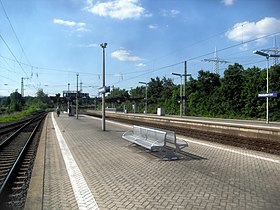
pixel 269 95
pixel 104 89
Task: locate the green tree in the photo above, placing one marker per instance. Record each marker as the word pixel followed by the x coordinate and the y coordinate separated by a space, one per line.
pixel 117 97
pixel 232 85
pixel 274 86
pixel 155 88
pixel 41 100
pixel 137 95
pixel 202 100
pixel 5 102
pixel 251 88
pixel 167 95
pixel 17 102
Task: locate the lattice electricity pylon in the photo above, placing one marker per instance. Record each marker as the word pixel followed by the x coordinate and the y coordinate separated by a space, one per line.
pixel 216 60
pixel 274 51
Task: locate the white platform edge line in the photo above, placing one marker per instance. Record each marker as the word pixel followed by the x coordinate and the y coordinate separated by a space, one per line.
pixel 207 145
pixel 231 150
pixel 83 195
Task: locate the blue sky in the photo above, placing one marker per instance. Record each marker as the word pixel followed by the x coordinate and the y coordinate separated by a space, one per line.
pixel 47 42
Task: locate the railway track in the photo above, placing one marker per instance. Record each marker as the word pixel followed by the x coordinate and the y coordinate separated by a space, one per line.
pixel 17 154
pixel 264 145
pixel 7 130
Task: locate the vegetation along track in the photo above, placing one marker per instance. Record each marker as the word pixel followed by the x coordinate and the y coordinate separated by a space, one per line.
pixel 17 155
pixel 268 146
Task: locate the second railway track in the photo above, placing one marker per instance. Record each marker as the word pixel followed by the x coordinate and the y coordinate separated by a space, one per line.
pixel 17 153
pixel 258 144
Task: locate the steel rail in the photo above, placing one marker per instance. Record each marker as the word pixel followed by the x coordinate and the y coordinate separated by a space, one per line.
pixel 14 169
pixel 13 135
pixel 9 127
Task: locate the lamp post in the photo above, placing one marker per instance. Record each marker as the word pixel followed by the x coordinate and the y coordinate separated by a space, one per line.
pixel 77 101
pixel 181 104
pixel 146 99
pixel 103 46
pixel 68 101
pixel 267 67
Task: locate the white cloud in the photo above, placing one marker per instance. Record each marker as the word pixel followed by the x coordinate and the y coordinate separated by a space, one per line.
pixel 68 23
pixel 174 12
pixel 250 30
pixel 228 2
pixel 124 55
pixel 78 27
pixel 88 45
pixel 152 26
pixel 117 9
pixel 170 13
pixel 141 65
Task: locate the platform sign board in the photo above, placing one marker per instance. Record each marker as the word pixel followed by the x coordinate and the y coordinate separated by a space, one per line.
pixel 269 95
pixel 101 90
pixel 104 89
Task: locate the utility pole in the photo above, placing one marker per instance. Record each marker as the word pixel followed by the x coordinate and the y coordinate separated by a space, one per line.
pixel 77 101
pixel 22 90
pixel 103 46
pixel 184 92
pixel 216 60
pixel 181 96
pixel 22 86
pixel 68 100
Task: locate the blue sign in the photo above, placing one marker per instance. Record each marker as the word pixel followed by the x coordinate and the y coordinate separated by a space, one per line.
pixel 107 89
pixel 269 95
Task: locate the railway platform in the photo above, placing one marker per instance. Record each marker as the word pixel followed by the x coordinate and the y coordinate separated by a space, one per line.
pixel 79 166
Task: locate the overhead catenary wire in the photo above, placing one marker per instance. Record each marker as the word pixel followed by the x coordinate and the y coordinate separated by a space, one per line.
pixel 150 70
pixel 200 56
pixel 19 63
pixel 23 51
pixel 21 47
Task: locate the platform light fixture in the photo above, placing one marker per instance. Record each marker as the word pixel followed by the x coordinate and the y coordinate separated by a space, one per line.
pixel 77 97
pixel 262 53
pixel 68 100
pixel 103 46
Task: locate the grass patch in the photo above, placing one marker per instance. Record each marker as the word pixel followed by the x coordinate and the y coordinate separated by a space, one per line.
pixel 7 118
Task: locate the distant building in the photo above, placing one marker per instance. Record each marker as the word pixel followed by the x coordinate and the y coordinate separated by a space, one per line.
pixel 71 95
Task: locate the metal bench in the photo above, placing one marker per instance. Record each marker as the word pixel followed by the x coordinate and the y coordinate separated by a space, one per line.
pixel 155 140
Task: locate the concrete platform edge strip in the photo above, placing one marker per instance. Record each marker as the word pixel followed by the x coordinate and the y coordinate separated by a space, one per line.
pixel 83 195
pixel 231 150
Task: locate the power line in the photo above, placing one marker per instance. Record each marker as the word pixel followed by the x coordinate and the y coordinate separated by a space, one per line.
pixel 153 70
pixel 14 31
pixel 13 54
pixel 197 57
pixel 235 45
pixel 15 58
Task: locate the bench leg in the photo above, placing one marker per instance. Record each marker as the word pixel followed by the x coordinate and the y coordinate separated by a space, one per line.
pixel 170 155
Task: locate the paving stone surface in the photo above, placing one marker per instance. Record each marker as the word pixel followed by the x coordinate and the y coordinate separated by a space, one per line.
pixel 58 193
pixel 124 176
